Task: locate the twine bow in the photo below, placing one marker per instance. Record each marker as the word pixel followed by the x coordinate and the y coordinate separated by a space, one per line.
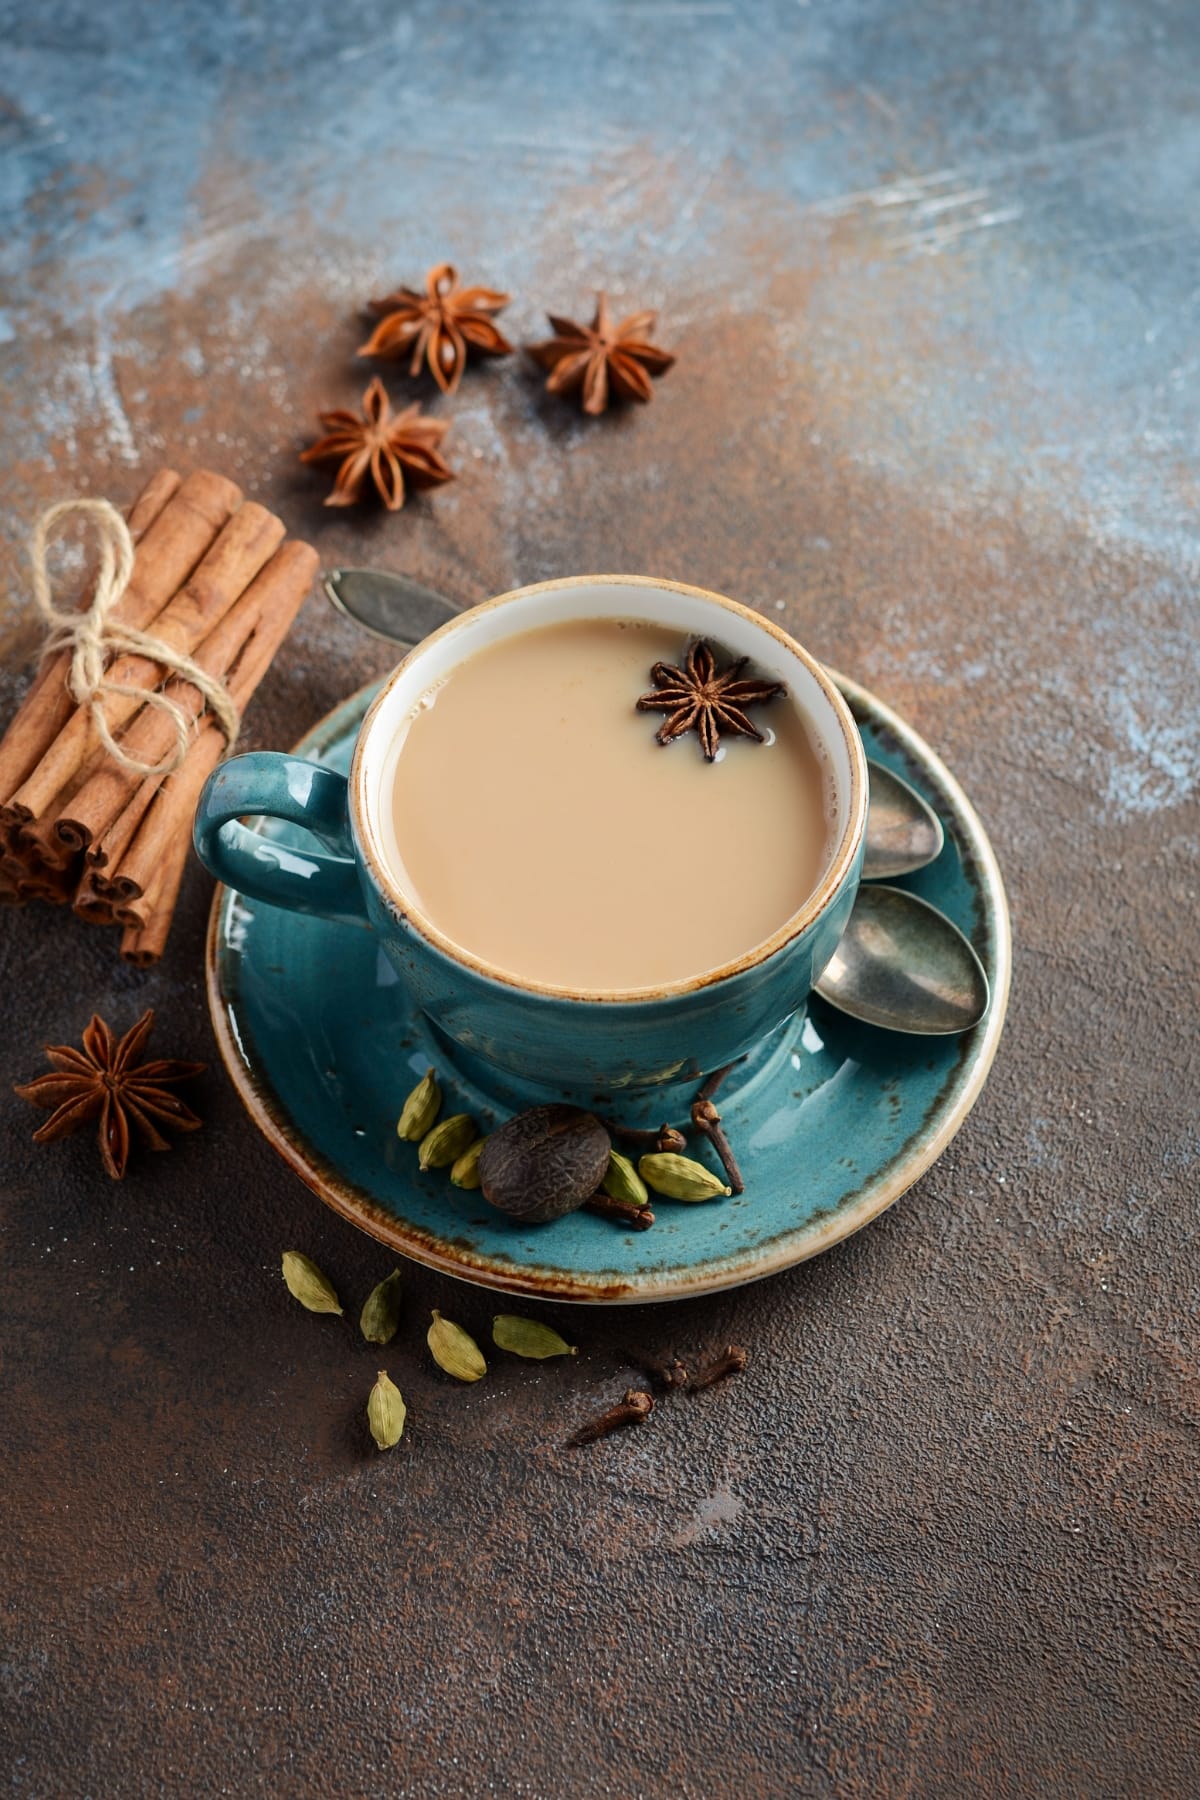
pixel 94 637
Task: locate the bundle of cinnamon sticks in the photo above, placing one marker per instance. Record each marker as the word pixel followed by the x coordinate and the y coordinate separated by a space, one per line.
pixel 214 580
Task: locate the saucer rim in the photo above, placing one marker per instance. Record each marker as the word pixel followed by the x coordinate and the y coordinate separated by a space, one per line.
pixel 785 1251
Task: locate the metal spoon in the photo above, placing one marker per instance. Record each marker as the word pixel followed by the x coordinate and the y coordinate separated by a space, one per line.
pixel 388 606
pixel 901 964
pixel 903 833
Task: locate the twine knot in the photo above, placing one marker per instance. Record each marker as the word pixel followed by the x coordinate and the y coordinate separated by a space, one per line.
pixel 94 637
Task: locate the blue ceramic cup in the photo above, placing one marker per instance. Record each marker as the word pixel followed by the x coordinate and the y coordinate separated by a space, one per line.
pixel 573 1042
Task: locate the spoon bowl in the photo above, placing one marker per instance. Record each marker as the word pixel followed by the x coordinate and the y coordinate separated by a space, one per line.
pixel 903 833
pixel 902 965
pixel 388 606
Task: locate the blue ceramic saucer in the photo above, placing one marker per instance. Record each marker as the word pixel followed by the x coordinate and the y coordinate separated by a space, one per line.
pixel 831 1120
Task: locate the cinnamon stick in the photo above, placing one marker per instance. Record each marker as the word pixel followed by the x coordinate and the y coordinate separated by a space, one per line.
pixel 95 908
pixel 211 579
pixel 110 791
pixel 47 704
pixel 173 525
pixel 28 853
pixel 143 945
pixel 55 885
pixel 282 588
pixel 41 844
pixel 135 914
pixel 14 861
pixel 109 846
pixel 12 868
pixel 39 839
pixel 241 549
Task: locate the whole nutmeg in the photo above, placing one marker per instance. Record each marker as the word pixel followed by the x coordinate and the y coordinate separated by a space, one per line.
pixel 545 1162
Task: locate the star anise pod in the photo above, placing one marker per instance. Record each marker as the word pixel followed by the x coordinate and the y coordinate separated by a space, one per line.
pixel 105 1081
pixel 701 698
pixel 438 326
pixel 602 357
pixel 383 445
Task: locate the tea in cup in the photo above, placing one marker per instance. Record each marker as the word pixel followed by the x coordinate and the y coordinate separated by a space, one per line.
pixel 569 897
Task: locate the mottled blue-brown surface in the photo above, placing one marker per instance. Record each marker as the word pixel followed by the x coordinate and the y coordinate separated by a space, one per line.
pixel 933 276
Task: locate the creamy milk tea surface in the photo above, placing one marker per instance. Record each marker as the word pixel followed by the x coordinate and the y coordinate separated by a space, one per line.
pixel 541 827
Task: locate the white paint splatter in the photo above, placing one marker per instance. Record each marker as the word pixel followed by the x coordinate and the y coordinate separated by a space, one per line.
pixel 721 1507
pixel 1158 765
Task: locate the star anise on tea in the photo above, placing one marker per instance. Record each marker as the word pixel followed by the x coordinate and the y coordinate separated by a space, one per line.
pixel 700 697
pixel 105 1081
pixel 603 358
pixel 438 327
pixel 381 446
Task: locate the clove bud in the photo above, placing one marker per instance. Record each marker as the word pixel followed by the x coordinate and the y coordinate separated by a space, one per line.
pixel 731 1363
pixel 636 1406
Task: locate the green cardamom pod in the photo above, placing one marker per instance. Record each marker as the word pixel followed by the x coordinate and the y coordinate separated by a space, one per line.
pixel 465 1173
pixel 420 1109
pixel 310 1287
pixel 455 1350
pixel 380 1316
pixel 622 1181
pixel 679 1178
pixel 386 1412
pixel 528 1337
pixel 447 1141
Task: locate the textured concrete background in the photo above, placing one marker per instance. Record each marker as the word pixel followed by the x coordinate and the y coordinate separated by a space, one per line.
pixel 932 272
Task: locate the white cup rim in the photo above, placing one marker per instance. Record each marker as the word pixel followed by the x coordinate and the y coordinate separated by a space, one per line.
pixel 840 862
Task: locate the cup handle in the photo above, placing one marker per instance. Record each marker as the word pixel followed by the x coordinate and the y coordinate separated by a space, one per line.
pixel 272 786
